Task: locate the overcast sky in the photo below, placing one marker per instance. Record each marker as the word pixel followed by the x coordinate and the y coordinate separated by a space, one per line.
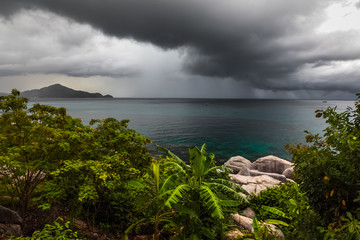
pixel 183 48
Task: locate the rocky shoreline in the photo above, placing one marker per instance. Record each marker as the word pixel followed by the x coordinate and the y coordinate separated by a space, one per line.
pixel 254 177
pixel 265 172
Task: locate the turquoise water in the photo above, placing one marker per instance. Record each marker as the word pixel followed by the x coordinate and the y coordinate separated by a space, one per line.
pixel 250 128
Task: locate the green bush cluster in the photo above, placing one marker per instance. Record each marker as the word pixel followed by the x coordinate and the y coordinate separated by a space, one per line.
pixel 326 205
pixel 327 169
pixel 103 173
pixel 48 157
pixel 301 220
pixel 59 230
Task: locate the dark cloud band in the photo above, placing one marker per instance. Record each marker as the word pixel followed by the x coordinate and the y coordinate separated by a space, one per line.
pixel 262 42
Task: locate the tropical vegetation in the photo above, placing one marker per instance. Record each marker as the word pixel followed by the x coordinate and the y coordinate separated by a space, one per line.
pixel 53 165
pixel 102 173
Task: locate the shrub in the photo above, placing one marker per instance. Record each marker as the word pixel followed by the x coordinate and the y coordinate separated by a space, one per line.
pixel 59 230
pixel 328 167
pixel 48 156
pixel 294 206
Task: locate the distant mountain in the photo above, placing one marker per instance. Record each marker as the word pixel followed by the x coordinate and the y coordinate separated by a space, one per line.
pixel 3 94
pixel 59 91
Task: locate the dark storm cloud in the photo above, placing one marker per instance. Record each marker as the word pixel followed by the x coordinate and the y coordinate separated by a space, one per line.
pixel 8 7
pixel 262 42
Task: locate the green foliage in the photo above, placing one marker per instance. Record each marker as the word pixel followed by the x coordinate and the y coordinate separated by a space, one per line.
pixel 152 201
pixel 48 156
pixel 202 197
pixel 33 143
pixel 349 229
pixel 327 169
pixel 286 203
pixel 262 231
pixel 60 230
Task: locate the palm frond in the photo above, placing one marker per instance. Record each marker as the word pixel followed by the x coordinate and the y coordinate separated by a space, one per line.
pixel 206 159
pixel 203 150
pixel 192 214
pixel 211 202
pixel 230 184
pixel 196 161
pixel 274 210
pixel 168 152
pixel 208 233
pixel 228 190
pixel 130 228
pixel 256 227
pixel 177 194
pixel 276 222
pixel 156 172
pixel 229 203
pixel 194 236
pixel 135 184
pixel 167 184
pixel 177 166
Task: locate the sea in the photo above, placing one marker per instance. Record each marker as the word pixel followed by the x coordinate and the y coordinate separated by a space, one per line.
pixel 229 127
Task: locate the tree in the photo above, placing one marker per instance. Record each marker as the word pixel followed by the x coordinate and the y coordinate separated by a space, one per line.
pixel 33 143
pixel 96 181
pixel 46 152
pixel 327 167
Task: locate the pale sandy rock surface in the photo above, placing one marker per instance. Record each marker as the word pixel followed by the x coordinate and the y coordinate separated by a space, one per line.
pixel 239 165
pixel 265 172
pixel 247 224
pixel 288 172
pixel 254 184
pixel 248 212
pixel 233 235
pixel 277 176
pixel 271 164
pixel 244 222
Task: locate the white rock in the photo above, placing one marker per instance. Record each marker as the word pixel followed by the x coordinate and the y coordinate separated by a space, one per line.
pixel 247 224
pixel 244 222
pixel 277 176
pixel 248 212
pixel 238 164
pixel 271 164
pixel 288 172
pixel 254 184
pixel 234 235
